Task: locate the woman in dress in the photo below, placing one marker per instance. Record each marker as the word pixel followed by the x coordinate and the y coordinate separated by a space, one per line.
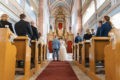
pixel 63 52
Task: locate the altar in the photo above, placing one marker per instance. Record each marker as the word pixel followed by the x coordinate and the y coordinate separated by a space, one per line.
pixel 60 30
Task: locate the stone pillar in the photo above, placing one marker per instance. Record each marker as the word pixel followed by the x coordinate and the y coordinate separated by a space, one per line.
pixel 79 18
pixel 40 17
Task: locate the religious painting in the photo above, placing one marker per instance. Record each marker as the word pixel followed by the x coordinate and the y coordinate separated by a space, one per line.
pixel 60 26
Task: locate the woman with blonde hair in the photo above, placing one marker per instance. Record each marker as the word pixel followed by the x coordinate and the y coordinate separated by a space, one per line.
pixel 4 22
pixel 88 35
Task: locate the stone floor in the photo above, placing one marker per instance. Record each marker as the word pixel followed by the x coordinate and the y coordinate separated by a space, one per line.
pixel 78 72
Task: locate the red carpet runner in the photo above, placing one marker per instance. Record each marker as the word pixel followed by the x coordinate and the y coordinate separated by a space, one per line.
pixel 58 71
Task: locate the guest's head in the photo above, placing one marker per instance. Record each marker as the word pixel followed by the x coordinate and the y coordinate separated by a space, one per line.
pixel 4 17
pixel 55 37
pixel 107 19
pixel 22 16
pixel 92 30
pixel 78 34
pixel 39 34
pixel 32 23
pixel 88 31
pixel 100 23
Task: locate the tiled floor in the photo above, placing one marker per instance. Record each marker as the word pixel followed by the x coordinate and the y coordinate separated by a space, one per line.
pixel 78 72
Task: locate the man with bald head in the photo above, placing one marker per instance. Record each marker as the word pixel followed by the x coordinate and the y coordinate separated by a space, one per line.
pixel 35 35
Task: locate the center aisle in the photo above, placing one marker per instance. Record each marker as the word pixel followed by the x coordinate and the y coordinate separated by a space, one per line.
pixel 58 71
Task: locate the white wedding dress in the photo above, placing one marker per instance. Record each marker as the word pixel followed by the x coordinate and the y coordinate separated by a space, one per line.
pixel 62 52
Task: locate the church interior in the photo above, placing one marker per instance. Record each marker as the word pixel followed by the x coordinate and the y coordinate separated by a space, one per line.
pixel 59 39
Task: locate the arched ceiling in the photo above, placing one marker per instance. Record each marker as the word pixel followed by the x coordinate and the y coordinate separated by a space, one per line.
pixel 66 6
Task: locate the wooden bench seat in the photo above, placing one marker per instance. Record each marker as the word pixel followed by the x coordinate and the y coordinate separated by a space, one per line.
pixel 23 54
pixel 7 55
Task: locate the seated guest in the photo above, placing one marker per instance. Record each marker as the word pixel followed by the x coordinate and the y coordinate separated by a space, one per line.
pixel 23 27
pixel 88 35
pixel 99 28
pixel 35 32
pixel 106 27
pixel 92 32
pixel 78 38
pixel 4 22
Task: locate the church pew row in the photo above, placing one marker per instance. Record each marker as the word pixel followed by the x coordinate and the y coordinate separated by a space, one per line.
pixel 23 55
pixel 19 51
pixel 112 56
pixel 29 54
pixel 34 57
pixel 90 53
pixel 7 55
pixel 85 53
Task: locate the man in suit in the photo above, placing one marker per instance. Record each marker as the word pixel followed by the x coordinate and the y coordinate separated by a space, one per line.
pixel 56 47
pixel 23 27
pixel 99 28
pixel 4 22
pixel 78 38
pixel 35 32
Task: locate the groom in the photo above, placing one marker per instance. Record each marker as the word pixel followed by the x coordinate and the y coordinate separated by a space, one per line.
pixel 56 47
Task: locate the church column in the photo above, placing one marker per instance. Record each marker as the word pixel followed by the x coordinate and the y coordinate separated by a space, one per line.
pixel 40 17
pixel 79 18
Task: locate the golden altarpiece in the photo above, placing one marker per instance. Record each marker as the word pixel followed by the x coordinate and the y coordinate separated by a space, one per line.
pixel 60 30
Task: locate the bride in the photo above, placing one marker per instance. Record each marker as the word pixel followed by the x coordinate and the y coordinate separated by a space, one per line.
pixel 63 52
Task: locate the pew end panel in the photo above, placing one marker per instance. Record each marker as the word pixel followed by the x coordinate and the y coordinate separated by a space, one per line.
pixel 112 56
pixel 34 57
pixel 7 55
pixel 85 53
pixel 80 52
pixel 97 51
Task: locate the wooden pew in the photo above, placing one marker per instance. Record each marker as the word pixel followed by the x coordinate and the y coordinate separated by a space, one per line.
pixel 112 56
pixel 96 53
pixel 85 53
pixel 44 52
pixel 80 52
pixel 75 52
pixel 24 54
pixel 40 53
pixel 34 57
pixel 7 55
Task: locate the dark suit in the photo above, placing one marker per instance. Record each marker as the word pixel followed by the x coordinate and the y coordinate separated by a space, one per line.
pixel 78 39
pixel 23 28
pixel 98 33
pixel 87 36
pixel 35 33
pixel 3 23
pixel 105 29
